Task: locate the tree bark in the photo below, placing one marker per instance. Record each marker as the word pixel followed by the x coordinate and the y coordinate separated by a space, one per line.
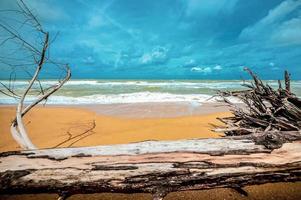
pixel 156 167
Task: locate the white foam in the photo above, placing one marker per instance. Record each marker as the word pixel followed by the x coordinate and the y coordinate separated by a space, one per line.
pixel 99 91
pixel 164 85
pixel 223 84
pixel 139 97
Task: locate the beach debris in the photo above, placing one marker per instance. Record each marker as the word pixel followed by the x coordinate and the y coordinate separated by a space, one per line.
pixel 270 116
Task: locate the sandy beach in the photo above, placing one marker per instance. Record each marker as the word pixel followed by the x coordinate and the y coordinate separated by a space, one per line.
pixel 87 125
pixel 58 126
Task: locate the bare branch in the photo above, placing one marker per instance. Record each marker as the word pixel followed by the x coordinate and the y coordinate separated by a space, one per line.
pixel 38 53
pixel 265 109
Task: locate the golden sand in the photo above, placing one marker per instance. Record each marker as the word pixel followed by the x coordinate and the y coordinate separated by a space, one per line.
pixel 52 126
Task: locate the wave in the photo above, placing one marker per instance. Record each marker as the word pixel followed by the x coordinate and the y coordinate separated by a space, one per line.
pixel 139 97
pixel 135 86
pixel 164 85
pixel 135 91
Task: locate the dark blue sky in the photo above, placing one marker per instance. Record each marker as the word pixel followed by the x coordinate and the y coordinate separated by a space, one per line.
pixel 169 39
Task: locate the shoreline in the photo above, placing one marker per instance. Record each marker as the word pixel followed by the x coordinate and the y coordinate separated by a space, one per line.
pixel 144 110
pixel 156 110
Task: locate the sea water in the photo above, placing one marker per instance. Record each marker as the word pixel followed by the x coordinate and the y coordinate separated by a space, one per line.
pixel 134 91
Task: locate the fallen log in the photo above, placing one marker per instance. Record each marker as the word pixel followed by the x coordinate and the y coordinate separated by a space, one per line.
pixel 156 167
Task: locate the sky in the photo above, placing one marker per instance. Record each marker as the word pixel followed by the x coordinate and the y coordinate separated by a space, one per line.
pixel 173 39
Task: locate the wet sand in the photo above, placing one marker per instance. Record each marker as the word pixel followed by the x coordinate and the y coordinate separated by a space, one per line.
pixel 157 110
pixel 65 126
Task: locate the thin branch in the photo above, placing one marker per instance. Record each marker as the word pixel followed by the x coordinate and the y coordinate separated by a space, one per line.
pixel 38 53
pixel 265 109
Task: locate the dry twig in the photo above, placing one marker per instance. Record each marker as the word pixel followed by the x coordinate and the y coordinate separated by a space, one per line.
pixel 267 110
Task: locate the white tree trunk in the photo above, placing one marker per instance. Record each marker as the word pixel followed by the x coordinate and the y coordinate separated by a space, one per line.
pixel 149 167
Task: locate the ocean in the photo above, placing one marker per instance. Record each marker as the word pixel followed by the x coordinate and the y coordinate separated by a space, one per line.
pixel 135 91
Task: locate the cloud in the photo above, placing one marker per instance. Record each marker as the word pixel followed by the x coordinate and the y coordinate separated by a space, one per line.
pixel 190 63
pixel 282 25
pixel 218 67
pixel 273 66
pixel 288 33
pixel 203 70
pixel 207 69
pixel 158 55
pixel 173 38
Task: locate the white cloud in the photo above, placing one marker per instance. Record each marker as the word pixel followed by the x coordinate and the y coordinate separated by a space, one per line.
pixel 157 55
pixel 146 58
pixel 190 63
pixel 273 66
pixel 218 67
pixel 203 70
pixel 206 70
pixel 280 11
pixel 288 32
pixel 278 27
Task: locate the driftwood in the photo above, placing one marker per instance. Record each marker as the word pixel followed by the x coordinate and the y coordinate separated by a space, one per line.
pixel 149 167
pixel 38 57
pixel 277 111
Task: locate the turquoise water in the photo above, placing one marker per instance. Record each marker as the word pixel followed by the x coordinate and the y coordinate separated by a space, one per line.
pixel 131 91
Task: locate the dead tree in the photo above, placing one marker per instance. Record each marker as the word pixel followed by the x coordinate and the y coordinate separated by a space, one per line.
pixel 266 112
pixel 26 52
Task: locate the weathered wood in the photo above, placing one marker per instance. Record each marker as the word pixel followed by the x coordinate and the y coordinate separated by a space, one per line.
pixel 287 81
pixel 149 167
pixel 277 111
